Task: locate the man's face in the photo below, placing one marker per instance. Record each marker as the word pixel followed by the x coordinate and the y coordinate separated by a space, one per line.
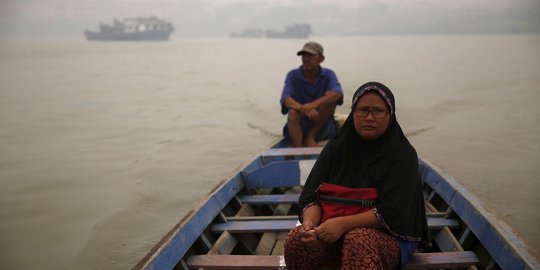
pixel 311 61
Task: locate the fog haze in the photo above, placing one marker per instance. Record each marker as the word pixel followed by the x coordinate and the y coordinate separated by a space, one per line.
pixel 69 18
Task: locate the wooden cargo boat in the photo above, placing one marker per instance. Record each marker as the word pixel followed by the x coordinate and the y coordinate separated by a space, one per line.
pixel 132 29
pixel 244 221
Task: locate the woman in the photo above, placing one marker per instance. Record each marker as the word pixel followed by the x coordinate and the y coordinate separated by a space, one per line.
pixel 370 155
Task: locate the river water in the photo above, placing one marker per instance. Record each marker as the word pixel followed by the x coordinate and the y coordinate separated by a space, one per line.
pixel 105 146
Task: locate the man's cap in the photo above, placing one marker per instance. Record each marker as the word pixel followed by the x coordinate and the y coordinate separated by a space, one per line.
pixel 311 47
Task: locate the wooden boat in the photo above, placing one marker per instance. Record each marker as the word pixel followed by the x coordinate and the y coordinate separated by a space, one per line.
pixel 244 221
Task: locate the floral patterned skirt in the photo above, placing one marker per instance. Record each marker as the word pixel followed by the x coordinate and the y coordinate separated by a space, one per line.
pixel 359 248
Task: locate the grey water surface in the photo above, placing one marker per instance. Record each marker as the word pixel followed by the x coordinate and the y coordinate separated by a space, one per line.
pixel 105 146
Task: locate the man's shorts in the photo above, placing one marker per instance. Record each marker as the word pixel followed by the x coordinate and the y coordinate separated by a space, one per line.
pixel 328 131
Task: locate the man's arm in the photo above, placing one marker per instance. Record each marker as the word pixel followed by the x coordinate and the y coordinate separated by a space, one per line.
pixel 329 97
pixel 292 104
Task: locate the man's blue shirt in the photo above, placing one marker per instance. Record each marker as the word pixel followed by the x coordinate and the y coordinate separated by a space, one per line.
pixel 297 87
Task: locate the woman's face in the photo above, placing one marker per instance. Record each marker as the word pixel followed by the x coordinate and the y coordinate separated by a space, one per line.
pixel 371 116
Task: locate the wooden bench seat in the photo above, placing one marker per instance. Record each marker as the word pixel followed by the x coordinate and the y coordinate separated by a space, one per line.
pixel 255 226
pixel 270 199
pixel 437 260
pixel 274 199
pixel 251 218
pixel 275 225
pixel 286 152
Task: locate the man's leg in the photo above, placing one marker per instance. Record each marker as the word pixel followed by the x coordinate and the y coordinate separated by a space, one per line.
pixel 326 113
pixel 295 130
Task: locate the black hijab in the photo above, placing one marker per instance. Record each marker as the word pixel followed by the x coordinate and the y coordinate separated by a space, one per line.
pixel 388 163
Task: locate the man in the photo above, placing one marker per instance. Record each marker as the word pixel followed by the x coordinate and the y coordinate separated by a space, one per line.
pixel 310 96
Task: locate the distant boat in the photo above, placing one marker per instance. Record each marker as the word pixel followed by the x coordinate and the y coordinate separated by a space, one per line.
pixel 298 30
pixel 249 33
pixel 132 29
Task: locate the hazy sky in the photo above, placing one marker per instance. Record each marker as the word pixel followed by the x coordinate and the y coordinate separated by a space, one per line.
pixel 327 17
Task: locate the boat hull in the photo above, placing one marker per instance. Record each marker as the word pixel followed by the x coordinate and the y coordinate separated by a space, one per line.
pixel 145 36
pixel 249 215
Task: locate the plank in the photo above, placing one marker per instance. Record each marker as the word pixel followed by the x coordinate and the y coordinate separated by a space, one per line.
pixel 250 218
pixel 446 241
pixel 224 245
pixel 276 154
pixel 293 151
pixel 259 226
pixel 226 241
pixel 295 217
pixel 251 242
pixel 284 154
pixel 256 226
pixel 438 260
pixel 212 262
pixel 280 241
pixel 270 199
pixel 268 240
pixel 266 244
pixel 435 223
pixel 418 261
pixel 293 199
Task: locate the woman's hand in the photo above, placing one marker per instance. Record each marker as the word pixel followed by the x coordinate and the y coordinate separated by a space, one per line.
pixel 330 230
pixel 307 232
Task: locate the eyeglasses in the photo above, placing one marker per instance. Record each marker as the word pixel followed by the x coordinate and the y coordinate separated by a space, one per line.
pixel 376 112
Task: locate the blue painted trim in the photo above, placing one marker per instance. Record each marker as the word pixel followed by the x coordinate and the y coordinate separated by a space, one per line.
pixel 193 225
pixel 431 177
pixel 276 174
pixel 502 244
pixel 225 193
pixel 253 165
pixel 188 232
pixel 485 231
